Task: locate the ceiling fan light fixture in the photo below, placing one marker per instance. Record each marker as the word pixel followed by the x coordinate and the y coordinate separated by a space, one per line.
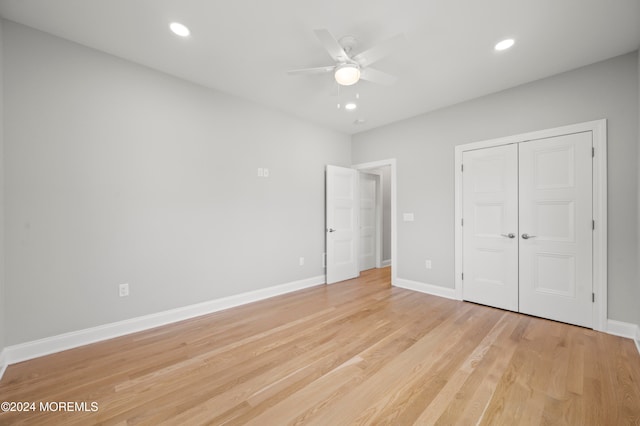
pixel 347 74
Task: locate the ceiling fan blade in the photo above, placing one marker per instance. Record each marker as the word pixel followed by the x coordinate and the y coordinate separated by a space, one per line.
pixel 332 46
pixel 376 76
pixel 318 70
pixel 379 51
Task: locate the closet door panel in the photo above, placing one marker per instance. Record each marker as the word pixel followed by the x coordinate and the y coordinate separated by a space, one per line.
pixel 490 215
pixel 555 210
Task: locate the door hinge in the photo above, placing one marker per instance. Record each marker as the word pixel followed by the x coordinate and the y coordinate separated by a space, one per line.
pixel 462 167
pixel 463 276
pixel 462 222
pixel 593 297
pixel 593 224
pixel 593 151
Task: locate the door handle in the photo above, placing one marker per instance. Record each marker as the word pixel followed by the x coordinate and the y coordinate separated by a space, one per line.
pixel 509 235
pixel 527 236
pixel 331 230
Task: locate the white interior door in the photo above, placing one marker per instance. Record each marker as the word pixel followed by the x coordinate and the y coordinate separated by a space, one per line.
pixel 556 228
pixel 342 224
pixel 490 227
pixel 368 220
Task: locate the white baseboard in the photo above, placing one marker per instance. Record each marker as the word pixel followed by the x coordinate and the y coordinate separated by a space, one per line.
pixel 434 290
pixel 3 362
pixel 624 329
pixel 49 345
pixel 386 263
pixel 29 350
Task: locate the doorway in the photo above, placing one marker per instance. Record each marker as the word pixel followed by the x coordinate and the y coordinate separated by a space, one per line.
pixel 342 202
pixel 387 170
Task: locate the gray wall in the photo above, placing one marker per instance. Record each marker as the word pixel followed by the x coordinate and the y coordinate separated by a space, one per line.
pixel 638 281
pixel 3 306
pixel 424 149
pixel 116 173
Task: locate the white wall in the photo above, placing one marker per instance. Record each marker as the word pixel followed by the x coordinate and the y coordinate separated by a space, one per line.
pixel 638 263
pixel 116 173
pixel 424 149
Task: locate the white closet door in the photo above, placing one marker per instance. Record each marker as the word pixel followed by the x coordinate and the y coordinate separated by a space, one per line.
pixel 556 228
pixel 490 230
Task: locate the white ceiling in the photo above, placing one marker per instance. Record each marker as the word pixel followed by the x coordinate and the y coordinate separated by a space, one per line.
pixel 245 47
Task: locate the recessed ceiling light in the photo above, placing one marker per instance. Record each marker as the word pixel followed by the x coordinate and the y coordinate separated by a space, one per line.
pixel 350 106
pixel 505 44
pixel 179 29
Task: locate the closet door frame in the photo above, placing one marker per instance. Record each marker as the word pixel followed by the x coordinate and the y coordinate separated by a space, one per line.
pixel 598 128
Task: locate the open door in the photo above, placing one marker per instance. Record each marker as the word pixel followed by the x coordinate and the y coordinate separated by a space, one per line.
pixel 342 230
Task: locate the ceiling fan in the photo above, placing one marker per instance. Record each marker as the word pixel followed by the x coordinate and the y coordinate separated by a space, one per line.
pixel 348 69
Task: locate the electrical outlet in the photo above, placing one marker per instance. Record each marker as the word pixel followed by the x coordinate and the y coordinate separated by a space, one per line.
pixel 427 264
pixel 266 172
pixel 123 290
pixel 302 261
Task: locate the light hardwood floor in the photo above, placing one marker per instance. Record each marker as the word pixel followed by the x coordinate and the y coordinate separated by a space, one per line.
pixel 357 352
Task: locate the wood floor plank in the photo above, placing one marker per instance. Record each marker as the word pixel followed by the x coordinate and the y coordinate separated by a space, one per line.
pixel 460 390
pixel 357 352
pixel 474 397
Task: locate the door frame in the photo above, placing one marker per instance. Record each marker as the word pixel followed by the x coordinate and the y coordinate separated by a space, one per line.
pixel 391 162
pixel 599 132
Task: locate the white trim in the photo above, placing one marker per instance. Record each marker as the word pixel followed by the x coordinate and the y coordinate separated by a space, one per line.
pixel 3 362
pixel 599 131
pixel 457 222
pixel 637 339
pixel 434 290
pixel 386 263
pixel 394 199
pixel 600 204
pixel 622 329
pixel 61 342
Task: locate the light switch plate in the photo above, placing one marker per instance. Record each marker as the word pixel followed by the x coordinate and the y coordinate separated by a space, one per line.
pixel 407 217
